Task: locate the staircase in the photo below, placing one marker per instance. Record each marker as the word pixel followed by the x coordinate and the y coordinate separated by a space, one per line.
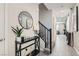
pixel 46 35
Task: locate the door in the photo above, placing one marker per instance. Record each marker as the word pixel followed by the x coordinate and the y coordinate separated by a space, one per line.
pixel 2 42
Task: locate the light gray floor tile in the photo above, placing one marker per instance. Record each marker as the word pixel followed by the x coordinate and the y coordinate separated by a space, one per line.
pixel 61 48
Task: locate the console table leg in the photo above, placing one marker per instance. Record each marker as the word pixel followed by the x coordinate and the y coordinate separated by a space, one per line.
pixel 15 48
pixel 35 46
pixel 39 44
pixel 20 49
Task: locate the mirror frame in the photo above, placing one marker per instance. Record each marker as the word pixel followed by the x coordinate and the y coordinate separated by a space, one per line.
pixel 20 21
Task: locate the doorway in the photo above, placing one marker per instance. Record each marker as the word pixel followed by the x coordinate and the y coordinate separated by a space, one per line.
pixel 61 28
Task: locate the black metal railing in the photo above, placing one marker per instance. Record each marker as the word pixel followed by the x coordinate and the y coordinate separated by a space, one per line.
pixel 46 36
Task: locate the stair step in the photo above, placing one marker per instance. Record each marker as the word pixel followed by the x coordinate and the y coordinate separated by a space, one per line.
pixel 46 49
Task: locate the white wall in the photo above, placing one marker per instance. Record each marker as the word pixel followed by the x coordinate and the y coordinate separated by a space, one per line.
pixel 11 15
pixel 53 28
pixel 45 17
pixel 2 37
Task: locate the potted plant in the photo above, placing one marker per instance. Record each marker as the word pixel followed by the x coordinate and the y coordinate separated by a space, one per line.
pixel 17 31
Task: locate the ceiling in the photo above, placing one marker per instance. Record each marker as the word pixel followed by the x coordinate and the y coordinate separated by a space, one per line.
pixel 59 5
pixel 60 10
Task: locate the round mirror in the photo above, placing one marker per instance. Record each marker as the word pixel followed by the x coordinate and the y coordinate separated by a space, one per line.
pixel 25 20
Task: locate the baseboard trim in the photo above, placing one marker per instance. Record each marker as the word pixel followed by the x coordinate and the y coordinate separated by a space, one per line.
pixel 76 50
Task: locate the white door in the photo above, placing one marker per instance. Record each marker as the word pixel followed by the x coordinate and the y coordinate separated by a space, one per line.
pixel 2 41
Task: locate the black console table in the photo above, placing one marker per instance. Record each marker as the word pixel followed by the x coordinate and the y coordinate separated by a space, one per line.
pixel 34 52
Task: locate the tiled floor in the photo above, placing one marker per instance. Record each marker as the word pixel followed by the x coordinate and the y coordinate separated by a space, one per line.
pixel 61 48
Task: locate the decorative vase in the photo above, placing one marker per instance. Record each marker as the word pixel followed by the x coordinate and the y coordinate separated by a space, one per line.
pixel 18 39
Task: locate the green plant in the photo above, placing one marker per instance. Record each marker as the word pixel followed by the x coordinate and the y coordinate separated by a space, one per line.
pixel 17 31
